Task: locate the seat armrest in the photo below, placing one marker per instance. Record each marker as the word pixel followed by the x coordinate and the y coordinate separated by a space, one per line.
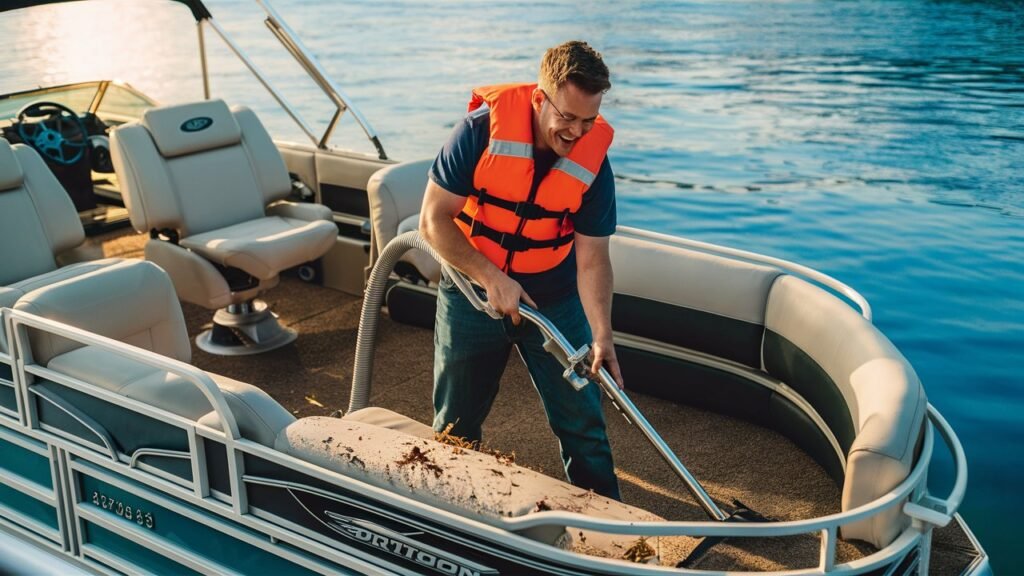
pixel 299 211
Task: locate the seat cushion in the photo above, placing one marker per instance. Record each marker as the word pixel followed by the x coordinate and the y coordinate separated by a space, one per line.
pixel 266 246
pixel 258 416
pixel 395 195
pixel 860 384
pixel 385 418
pixel 472 484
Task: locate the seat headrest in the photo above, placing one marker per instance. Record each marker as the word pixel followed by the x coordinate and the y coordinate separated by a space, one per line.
pixel 190 128
pixel 11 175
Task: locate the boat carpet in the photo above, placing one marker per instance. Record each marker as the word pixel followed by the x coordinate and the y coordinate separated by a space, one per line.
pixel 733 459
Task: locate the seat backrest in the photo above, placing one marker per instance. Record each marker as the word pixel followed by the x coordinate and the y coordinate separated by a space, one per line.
pixel 720 301
pixel 131 301
pixel 197 167
pixel 396 195
pixel 37 218
pixel 858 382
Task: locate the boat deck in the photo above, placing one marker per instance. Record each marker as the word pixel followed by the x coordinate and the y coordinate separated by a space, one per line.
pixel 733 459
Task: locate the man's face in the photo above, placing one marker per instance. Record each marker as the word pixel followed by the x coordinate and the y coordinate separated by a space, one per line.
pixel 564 117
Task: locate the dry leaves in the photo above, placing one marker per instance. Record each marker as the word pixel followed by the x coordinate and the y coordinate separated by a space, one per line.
pixel 640 551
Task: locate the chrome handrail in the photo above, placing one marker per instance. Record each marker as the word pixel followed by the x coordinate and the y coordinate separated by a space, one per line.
pixel 798 269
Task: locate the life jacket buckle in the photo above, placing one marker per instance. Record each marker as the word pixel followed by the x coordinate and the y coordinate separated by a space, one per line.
pixel 512 242
pixel 528 210
pixel 476 228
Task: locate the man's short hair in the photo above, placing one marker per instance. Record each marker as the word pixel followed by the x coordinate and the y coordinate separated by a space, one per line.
pixel 574 61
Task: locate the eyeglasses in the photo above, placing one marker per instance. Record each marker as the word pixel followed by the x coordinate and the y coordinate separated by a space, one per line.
pixel 588 123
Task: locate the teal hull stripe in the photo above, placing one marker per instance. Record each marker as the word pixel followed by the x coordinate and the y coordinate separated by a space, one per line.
pixel 27 464
pixel 513 149
pixel 575 170
pixel 138 555
pixel 189 535
pixel 29 506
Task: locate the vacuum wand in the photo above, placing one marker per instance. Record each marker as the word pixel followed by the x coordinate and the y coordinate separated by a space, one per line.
pixel 577 373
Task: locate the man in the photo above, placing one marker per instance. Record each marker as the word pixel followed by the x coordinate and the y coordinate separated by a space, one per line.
pixel 522 199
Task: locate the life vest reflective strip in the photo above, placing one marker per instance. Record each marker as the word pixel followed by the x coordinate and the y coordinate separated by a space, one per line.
pixel 517 230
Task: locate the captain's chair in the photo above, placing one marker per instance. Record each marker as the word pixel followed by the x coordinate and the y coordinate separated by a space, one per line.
pixel 38 222
pixel 208 185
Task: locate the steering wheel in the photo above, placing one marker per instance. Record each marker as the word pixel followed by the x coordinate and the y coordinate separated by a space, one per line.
pixel 59 134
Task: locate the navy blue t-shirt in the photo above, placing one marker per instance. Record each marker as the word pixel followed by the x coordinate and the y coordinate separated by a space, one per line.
pixel 453 170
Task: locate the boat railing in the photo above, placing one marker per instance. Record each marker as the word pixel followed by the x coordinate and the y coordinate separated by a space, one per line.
pixel 800 270
pixel 18 323
pixel 310 65
pixel 925 510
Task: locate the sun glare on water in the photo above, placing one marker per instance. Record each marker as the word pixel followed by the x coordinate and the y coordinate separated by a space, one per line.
pixel 140 42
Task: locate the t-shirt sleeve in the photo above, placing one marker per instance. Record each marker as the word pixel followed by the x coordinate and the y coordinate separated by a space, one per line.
pixel 456 162
pixel 596 216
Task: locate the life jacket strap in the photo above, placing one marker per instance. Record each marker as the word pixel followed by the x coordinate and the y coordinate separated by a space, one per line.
pixel 527 210
pixel 509 241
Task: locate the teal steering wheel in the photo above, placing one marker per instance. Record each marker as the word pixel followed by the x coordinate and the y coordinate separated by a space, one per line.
pixel 54 130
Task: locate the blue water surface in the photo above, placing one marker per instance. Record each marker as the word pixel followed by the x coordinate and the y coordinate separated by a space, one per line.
pixel 880 142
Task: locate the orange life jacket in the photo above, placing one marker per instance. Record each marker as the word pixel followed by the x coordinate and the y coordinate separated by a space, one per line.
pixel 515 230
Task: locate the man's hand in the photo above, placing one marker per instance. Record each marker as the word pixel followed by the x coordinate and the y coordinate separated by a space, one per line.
pixel 603 354
pixel 504 295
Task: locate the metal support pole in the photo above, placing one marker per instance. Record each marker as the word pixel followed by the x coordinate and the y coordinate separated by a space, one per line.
pixel 202 60
pixel 263 80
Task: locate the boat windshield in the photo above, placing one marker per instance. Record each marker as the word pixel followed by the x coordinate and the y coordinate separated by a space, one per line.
pixel 112 100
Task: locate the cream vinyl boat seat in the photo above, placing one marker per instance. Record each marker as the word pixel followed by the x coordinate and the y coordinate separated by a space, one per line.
pixel 396 194
pixel 38 222
pixel 134 302
pixel 209 186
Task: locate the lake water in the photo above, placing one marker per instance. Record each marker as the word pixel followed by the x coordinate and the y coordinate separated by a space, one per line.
pixel 879 142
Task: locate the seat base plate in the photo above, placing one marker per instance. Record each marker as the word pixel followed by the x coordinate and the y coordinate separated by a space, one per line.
pixel 244 329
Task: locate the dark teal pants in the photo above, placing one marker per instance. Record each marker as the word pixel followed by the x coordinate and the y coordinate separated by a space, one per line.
pixel 470 354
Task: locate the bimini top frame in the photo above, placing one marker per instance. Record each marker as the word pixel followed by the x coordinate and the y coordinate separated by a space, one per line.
pixel 291 42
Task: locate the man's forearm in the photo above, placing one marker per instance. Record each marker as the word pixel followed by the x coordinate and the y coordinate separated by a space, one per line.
pixel 596 281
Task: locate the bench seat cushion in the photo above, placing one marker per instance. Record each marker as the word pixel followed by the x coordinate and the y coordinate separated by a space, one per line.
pixel 859 383
pixel 472 484
pixel 258 416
